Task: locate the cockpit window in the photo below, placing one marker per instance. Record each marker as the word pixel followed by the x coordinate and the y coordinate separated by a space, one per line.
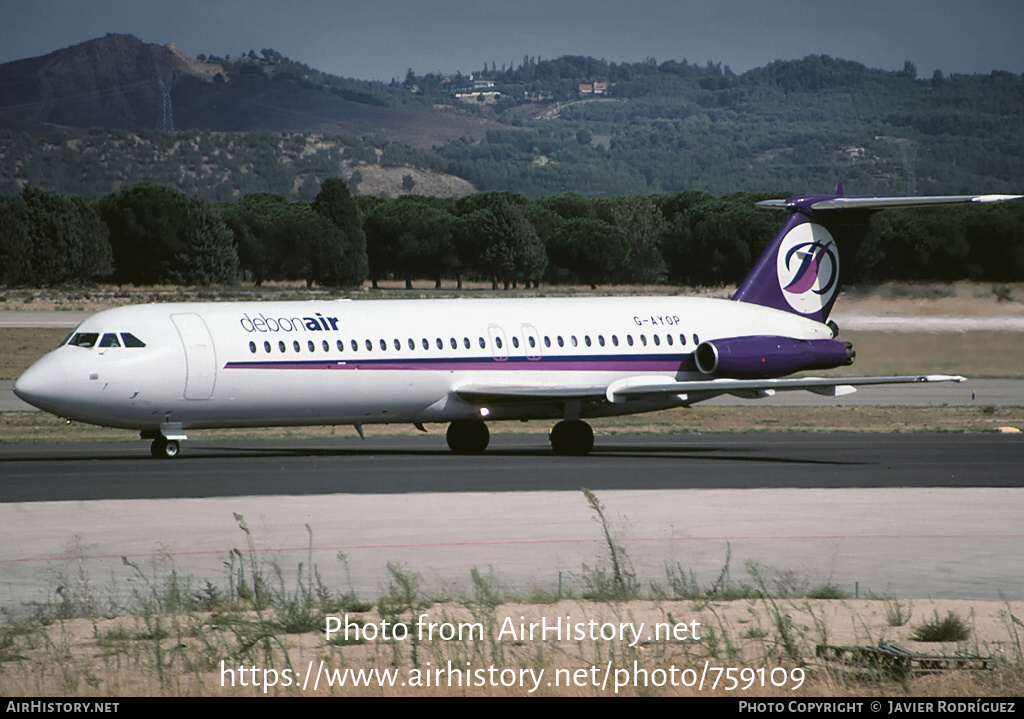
pixel 131 340
pixel 110 340
pixel 84 339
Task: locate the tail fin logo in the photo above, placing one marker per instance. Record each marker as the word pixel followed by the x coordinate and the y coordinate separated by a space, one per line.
pixel 808 267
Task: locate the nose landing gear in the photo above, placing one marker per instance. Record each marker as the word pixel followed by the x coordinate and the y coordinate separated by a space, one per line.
pixel 166 441
pixel 163 448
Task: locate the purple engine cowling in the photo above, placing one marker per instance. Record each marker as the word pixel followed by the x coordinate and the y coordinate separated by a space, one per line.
pixel 760 356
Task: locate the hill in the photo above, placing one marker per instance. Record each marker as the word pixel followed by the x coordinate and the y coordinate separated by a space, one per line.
pixel 114 82
pixel 88 120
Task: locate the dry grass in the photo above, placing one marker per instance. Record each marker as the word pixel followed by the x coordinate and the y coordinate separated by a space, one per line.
pixel 180 653
pixel 19 348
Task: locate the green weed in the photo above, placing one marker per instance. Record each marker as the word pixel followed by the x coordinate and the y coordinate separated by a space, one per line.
pixel 950 628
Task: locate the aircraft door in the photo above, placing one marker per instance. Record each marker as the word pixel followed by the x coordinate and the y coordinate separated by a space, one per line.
pixel 200 359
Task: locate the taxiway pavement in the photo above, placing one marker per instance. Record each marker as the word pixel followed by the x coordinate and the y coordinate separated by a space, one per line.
pixel 920 515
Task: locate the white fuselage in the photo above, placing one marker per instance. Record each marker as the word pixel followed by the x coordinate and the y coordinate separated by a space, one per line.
pixel 355 362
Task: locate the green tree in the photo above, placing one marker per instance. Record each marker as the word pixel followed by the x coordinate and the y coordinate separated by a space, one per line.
pixel 641 223
pixel 336 203
pixel 590 249
pixel 278 239
pixel 253 222
pixel 208 254
pixel 502 243
pixel 48 239
pixel 148 226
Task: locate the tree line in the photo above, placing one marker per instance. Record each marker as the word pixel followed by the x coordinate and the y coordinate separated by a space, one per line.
pixel 150 234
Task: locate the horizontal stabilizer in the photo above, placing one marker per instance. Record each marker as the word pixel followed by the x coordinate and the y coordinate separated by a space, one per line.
pixel 818 203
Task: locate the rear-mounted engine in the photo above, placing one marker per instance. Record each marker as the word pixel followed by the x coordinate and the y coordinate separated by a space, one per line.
pixel 759 356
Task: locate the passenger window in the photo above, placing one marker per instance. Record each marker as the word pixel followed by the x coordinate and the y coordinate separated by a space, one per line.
pixel 295 346
pixel 280 346
pixel 643 340
pixel 455 345
pixel 586 340
pixel 497 341
pixel 383 345
pixel 426 344
pixel 266 347
pixel 629 340
pixel 110 340
pixel 573 340
pixel 465 342
pixel 615 340
pixel 440 344
pixel 682 339
pixel 657 340
pixel 327 346
pixel 412 344
pixel 252 347
pixel 398 345
pixel 669 338
pixel 341 346
pixel 561 342
pixel 600 340
pixel 355 346
pixel 533 342
pixel 369 346
pixel 311 346
pixel 547 341
pixel 483 344
pixel 696 339
pixel 131 340
pixel 515 341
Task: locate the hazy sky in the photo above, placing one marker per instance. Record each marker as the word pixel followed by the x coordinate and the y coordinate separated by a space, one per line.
pixel 381 39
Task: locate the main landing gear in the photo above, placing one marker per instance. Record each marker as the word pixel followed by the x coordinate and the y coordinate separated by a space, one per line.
pixel 569 438
pixel 468 436
pixel 572 438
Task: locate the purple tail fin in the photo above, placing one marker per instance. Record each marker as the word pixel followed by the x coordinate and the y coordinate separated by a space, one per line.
pixel 806 263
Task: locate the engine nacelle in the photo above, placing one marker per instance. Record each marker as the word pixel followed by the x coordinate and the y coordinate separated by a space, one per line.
pixel 760 356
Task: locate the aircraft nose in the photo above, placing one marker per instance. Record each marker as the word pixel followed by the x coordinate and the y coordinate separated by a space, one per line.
pixel 44 384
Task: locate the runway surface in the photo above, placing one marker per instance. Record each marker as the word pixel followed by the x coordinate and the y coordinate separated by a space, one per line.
pixel 38 473
pixel 921 515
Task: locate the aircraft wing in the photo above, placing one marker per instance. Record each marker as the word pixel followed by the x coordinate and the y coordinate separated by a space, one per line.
pixel 654 387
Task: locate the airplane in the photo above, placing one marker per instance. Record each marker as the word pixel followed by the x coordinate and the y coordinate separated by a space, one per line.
pixel 164 369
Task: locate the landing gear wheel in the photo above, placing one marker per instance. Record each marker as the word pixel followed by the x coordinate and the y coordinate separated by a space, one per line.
pixel 163 448
pixel 572 438
pixel 467 436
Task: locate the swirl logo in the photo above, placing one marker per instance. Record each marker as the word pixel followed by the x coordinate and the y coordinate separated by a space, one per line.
pixel 808 267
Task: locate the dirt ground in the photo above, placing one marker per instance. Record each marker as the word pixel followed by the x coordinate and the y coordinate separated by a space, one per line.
pixel 741 648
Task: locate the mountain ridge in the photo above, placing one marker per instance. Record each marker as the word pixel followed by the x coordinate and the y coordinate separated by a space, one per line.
pixel 114 82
